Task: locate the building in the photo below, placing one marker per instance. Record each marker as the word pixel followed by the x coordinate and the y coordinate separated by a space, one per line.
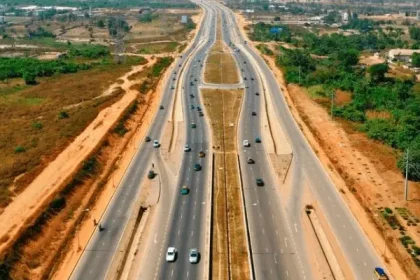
pixel 401 55
pixel 184 19
pixel 418 15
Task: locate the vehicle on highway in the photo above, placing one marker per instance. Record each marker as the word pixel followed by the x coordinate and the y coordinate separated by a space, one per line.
pixel 200 114
pixel 191 83
pixel 250 161
pixel 246 143
pixel 245 79
pixel 147 139
pixel 187 148
pixel 161 107
pixel 156 144
pixel 257 93
pixel 194 255
pixel 380 273
pixel 259 182
pixel 201 154
pixel 254 113
pixel 151 174
pixel 192 107
pixel 192 95
pixel 198 108
pixel 257 140
pixel 174 79
pixel 197 167
pixel 171 254
pixel 193 125
pixel 172 87
pixel 185 190
pixel 252 78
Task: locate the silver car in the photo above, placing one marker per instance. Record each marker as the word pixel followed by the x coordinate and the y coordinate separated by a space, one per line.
pixel 194 255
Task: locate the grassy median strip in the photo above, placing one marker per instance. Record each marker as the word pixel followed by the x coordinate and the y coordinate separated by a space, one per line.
pixel 229 250
pixel 220 65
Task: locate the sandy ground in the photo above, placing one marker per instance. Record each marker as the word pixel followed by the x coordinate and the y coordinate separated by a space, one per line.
pixel 16 215
pixel 340 146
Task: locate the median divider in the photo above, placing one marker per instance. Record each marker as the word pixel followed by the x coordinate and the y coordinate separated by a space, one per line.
pixel 245 216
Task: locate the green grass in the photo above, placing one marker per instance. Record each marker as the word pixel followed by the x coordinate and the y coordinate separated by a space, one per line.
pixel 316 91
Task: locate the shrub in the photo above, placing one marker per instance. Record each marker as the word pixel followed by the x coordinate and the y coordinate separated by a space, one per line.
pixel 37 125
pixel 20 149
pixel 63 115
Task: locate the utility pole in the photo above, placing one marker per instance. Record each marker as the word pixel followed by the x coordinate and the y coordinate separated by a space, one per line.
pixel 406 177
pixel 332 104
pixel 299 74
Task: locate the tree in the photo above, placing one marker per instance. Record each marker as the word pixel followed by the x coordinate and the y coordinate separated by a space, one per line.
pixel 332 17
pixel 348 57
pixel 30 78
pixel 413 161
pixel 415 59
pixel 414 33
pixel 277 18
pixel 100 23
pixel 377 71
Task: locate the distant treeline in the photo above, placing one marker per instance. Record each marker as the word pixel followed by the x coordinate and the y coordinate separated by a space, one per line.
pixel 102 3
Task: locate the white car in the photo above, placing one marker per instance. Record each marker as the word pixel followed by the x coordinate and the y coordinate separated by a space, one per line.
pixel 156 144
pixel 246 143
pixel 194 256
pixel 187 148
pixel 171 254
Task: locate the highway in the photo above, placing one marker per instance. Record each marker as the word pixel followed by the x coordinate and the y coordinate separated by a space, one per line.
pixel 360 254
pixel 278 252
pixel 103 245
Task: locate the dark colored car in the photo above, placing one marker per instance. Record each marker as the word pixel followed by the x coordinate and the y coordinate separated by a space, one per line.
pixel 200 114
pixel 161 107
pixel 257 93
pixel 257 140
pixel 250 161
pixel 201 154
pixel 151 174
pixel 197 167
pixel 147 139
pixel 254 113
pixel 260 182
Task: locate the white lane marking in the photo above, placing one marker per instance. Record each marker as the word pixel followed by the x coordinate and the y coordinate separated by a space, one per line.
pixel 296 227
pixel 192 233
pixel 172 273
pixel 285 241
pixel 155 239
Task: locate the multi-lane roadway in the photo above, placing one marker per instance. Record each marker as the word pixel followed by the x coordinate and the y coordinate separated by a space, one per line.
pixel 182 221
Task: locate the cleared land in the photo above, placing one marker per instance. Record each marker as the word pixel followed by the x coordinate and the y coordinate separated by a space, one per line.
pixel 220 65
pixel 229 250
